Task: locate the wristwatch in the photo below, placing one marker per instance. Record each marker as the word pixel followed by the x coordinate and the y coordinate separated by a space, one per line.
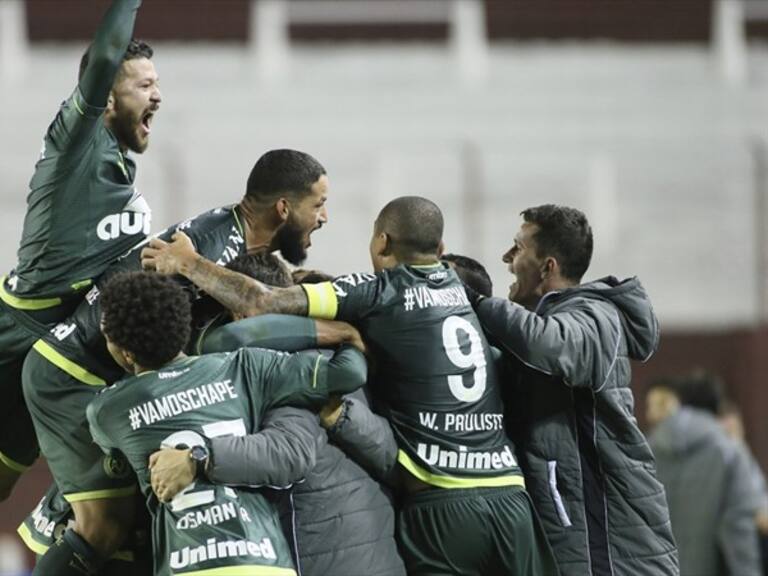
pixel 199 455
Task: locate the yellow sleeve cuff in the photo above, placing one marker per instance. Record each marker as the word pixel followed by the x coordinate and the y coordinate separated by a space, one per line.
pixel 322 299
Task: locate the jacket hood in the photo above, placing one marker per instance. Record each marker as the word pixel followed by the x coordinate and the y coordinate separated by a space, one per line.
pixel 683 431
pixel 640 325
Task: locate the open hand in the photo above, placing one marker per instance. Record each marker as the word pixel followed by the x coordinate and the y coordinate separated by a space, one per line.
pixel 170 471
pixel 169 257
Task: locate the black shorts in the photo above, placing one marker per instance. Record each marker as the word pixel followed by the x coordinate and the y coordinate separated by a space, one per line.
pixel 18 332
pixel 473 532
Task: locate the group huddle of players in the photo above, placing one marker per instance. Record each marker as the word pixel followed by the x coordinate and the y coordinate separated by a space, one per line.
pixel 126 358
pixel 103 357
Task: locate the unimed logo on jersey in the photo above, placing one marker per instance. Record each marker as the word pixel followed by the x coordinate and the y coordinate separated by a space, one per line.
pixel 216 550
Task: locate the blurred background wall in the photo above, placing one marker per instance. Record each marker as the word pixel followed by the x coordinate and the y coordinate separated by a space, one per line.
pixel 649 115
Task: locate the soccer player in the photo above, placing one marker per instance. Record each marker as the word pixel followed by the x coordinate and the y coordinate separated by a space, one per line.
pixel 46 524
pixel 170 400
pixel 467 511
pixel 283 204
pixel 83 210
pixel 339 519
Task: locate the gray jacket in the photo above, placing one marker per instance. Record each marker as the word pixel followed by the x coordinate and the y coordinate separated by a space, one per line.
pixel 342 520
pixel 587 466
pixel 712 499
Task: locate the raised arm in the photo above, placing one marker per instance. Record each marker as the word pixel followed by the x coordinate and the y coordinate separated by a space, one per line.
pixel 239 293
pixel 107 51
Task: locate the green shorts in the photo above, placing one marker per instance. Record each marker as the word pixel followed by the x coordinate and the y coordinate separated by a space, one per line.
pixel 53 515
pixel 57 403
pixel 18 332
pixel 473 532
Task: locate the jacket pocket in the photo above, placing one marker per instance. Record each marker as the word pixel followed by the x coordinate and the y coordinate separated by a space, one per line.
pixel 557 500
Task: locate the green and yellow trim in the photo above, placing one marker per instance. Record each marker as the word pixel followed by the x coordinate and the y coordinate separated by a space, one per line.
pixel 58 359
pixel 251 570
pixel 12 464
pixel 101 494
pixel 39 548
pixel 77 286
pixel 323 302
pixel 237 221
pixel 25 303
pixel 76 103
pixel 455 482
pixel 121 163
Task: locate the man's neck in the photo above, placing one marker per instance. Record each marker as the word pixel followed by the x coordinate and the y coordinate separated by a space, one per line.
pixel 259 229
pixel 419 261
pixel 139 370
pixel 548 287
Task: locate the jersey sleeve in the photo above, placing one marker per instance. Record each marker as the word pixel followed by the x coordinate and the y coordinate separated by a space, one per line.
pixel 273 331
pixel 74 124
pixel 303 379
pixel 107 51
pixel 99 434
pixel 347 298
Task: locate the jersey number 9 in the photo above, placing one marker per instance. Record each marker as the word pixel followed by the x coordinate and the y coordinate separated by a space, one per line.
pixel 474 358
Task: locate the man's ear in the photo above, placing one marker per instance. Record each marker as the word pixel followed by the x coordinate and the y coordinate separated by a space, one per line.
pixel 111 101
pixel 129 358
pixel 283 209
pixel 440 250
pixel 550 268
pixel 385 242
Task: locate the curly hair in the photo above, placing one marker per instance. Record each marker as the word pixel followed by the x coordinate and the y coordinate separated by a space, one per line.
pixel 148 315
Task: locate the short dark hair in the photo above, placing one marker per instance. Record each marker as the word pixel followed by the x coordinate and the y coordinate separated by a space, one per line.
pixel 283 172
pixel 703 390
pixel 413 224
pixel 471 272
pixel 264 266
pixel 302 276
pixel 148 315
pixel 136 49
pixel 259 264
pixel 565 234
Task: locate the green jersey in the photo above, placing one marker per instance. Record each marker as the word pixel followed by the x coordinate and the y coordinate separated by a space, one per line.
pixel 436 379
pixel 83 209
pixel 207 526
pixel 77 345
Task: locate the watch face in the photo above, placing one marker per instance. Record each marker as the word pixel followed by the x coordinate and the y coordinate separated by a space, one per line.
pixel 198 453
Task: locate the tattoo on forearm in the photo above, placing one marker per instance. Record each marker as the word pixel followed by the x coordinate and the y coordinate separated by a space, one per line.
pixel 244 295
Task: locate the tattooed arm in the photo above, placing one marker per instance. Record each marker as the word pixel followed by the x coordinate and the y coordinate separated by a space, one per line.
pixel 240 294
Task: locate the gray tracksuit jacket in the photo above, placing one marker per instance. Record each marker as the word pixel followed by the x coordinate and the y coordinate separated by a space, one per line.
pixel 588 467
pixel 339 519
pixel 711 494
